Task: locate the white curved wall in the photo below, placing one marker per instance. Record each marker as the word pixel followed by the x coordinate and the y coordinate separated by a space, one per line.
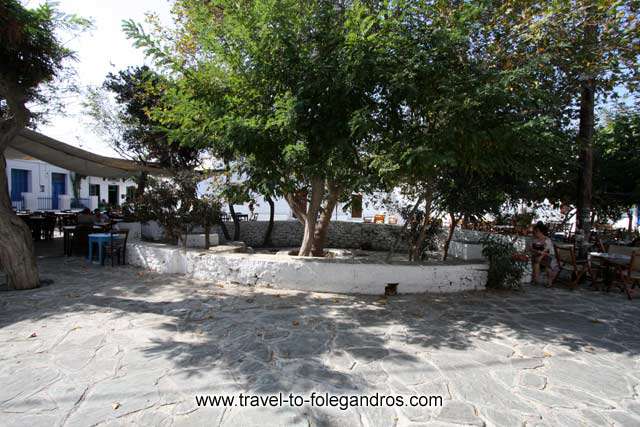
pixel 307 274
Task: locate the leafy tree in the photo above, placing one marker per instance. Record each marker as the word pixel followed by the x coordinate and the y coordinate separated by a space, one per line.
pixel 590 48
pixel 128 124
pixel 279 85
pixel 176 206
pixel 616 171
pixel 31 57
pixel 466 140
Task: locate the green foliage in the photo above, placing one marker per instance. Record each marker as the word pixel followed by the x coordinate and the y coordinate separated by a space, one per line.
pixel 482 134
pixel 506 265
pixel 129 126
pixel 578 39
pixel 617 160
pixel 32 55
pixel 176 206
pixel 277 85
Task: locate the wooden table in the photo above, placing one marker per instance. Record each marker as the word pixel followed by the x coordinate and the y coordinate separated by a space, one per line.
pixel 36 223
pixel 610 261
pixel 68 231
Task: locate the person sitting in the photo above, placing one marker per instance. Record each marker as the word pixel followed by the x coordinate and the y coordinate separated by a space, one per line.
pixel 543 255
pixel 99 216
pixel 85 217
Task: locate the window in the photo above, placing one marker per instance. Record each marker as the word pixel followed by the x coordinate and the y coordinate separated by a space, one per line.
pixel 94 190
pixel 356 206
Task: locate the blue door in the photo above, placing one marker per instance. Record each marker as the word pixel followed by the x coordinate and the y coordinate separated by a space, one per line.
pixel 58 186
pixel 19 184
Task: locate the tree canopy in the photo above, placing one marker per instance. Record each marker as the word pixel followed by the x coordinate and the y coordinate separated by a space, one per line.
pixel 31 57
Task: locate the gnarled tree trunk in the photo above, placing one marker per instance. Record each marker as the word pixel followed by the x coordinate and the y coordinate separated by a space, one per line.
pixel 452 229
pixel 311 216
pixel 403 230
pixel 236 223
pixel 322 227
pixel 17 258
pixel 307 215
pixel 416 251
pixel 272 209
pixel 141 181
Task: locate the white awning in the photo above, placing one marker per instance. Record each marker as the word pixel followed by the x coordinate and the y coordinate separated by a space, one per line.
pixel 41 147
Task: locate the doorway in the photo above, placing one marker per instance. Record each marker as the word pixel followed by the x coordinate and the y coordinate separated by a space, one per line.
pixel 113 195
pixel 58 187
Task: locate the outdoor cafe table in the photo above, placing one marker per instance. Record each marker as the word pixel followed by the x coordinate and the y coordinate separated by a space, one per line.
pixel 36 224
pixel 610 261
pixel 67 231
pixel 100 239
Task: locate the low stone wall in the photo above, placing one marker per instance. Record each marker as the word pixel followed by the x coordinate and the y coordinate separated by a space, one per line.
pixel 461 235
pixel 307 274
pixel 285 234
pixel 342 234
pixel 465 251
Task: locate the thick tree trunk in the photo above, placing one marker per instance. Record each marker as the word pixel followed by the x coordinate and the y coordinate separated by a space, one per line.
pixel 322 228
pixel 272 209
pixel 311 217
pixel 141 184
pixel 207 229
pixel 416 250
pixel 452 229
pixel 308 216
pixel 225 232
pixel 630 218
pixel 236 223
pixel 403 230
pixel 585 143
pixel 17 258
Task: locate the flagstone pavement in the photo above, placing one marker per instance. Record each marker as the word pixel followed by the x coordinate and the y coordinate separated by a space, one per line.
pixel 122 346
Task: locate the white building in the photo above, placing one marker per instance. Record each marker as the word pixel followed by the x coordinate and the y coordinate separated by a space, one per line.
pixel 359 208
pixel 37 185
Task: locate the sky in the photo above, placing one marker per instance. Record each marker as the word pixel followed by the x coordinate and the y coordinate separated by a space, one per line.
pixel 101 50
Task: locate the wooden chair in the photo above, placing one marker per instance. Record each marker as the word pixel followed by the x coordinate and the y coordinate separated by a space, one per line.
pixel 631 275
pixel 116 247
pixel 594 265
pixel 80 239
pixel 566 256
pixel 49 226
pixel 621 250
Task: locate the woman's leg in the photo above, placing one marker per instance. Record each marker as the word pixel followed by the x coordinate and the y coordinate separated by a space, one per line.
pixel 552 273
pixel 535 270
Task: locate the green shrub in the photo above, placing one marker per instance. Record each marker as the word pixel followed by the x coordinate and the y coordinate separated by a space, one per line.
pixel 506 264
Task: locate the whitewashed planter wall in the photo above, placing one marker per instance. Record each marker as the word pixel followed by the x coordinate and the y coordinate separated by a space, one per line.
pixel 306 274
pixel 135 230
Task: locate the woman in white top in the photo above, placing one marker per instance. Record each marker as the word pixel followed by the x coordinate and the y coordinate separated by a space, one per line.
pixel 543 255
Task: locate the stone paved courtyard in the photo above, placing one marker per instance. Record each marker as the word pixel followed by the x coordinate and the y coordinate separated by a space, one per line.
pixel 119 346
